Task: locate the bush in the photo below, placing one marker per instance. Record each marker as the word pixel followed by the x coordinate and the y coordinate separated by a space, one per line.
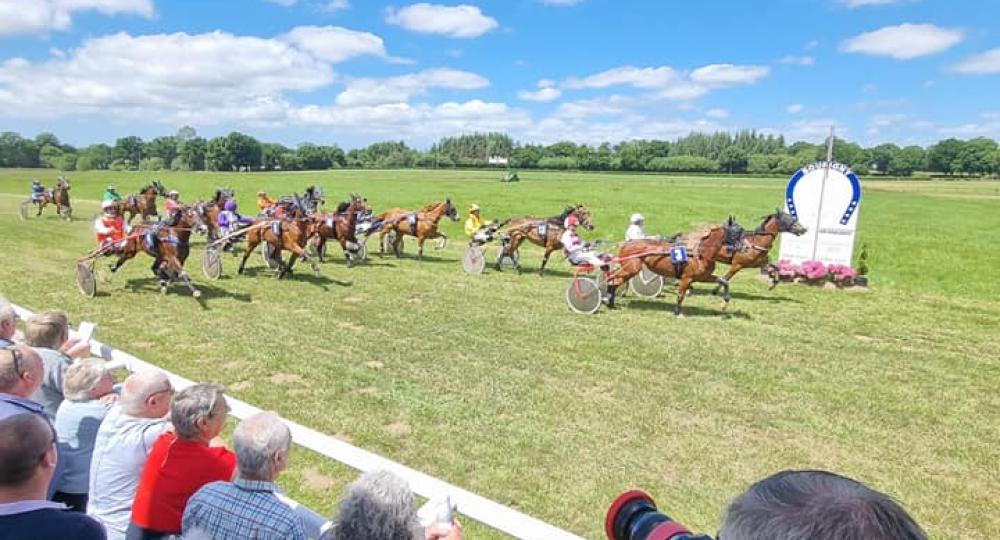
pixel 558 162
pixel 152 164
pixel 121 165
pixel 689 164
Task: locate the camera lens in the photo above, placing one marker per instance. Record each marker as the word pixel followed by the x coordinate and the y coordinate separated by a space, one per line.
pixel 634 516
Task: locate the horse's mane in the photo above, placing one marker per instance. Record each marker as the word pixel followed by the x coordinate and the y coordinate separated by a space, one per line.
pixel 431 206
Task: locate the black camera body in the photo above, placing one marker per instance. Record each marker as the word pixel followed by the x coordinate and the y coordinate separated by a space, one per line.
pixel 633 516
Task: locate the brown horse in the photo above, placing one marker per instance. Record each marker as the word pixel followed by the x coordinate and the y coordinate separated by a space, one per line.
pixel 544 232
pixel 289 234
pixel 58 196
pixel 339 226
pixel 168 243
pixel 656 255
pixel 142 203
pixel 753 250
pixel 423 225
pixel 209 211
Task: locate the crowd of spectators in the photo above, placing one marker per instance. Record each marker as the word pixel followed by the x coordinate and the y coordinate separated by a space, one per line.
pixel 84 457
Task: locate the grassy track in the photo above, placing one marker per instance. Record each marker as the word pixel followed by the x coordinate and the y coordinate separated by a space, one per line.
pixel 490 383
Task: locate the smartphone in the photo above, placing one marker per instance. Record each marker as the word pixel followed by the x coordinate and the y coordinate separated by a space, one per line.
pixel 86 331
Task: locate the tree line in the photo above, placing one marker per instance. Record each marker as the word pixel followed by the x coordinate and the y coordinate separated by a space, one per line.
pixel 742 152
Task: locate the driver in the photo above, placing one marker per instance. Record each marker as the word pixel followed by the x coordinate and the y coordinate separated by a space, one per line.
pixel 37 190
pixel 476 228
pixel 264 202
pixel 579 252
pixel 172 202
pixel 635 230
pixel 110 228
pixel 111 194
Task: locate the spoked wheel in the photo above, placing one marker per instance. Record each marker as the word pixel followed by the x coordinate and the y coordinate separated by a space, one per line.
pixel 85 280
pixel 267 254
pixel 22 211
pixel 646 283
pixel 473 260
pixel 442 242
pixel 583 295
pixel 390 238
pixel 510 260
pixel 211 263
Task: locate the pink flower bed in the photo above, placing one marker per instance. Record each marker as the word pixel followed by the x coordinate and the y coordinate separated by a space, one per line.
pixel 817 272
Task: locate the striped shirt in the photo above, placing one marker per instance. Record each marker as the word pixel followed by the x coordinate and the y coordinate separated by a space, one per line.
pixel 241 509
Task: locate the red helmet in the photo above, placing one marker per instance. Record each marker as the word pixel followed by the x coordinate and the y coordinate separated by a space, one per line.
pixel 571 222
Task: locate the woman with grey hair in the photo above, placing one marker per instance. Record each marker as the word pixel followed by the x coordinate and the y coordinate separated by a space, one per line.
pixel 88 388
pixel 380 506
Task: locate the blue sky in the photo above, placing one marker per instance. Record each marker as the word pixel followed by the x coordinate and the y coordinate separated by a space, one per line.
pixel 351 72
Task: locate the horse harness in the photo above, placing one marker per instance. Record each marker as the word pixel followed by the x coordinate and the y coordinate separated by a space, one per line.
pixel 542 229
pixel 412 220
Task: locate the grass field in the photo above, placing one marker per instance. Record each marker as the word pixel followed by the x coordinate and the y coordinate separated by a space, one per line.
pixel 490 383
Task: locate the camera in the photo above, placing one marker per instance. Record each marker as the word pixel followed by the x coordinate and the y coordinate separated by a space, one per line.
pixel 633 516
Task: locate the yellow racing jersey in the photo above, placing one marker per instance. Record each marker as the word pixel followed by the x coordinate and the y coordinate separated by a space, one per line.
pixel 473 224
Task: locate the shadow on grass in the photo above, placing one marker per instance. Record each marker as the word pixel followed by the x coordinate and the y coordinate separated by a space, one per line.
pixel 298 274
pixel 208 292
pixel 688 310
pixel 413 257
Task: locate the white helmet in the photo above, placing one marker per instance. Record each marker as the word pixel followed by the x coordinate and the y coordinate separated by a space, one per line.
pixel 637 219
pixel 107 204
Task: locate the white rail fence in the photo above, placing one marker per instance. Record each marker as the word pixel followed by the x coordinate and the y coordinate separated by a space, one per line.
pixel 481 509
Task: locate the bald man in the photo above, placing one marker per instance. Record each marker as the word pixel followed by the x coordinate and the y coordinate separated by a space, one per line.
pixel 27 465
pixel 123 443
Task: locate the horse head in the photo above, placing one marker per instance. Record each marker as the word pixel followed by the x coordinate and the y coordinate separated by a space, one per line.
pixel 450 210
pixel 583 215
pixel 788 223
pixel 160 190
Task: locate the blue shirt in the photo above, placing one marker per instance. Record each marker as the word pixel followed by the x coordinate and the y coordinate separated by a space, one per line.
pixel 241 509
pixel 76 427
pixel 11 405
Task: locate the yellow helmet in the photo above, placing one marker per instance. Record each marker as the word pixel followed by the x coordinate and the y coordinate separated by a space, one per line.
pixel 473 207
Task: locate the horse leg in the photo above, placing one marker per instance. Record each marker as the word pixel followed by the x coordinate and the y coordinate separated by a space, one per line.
pixel 545 260
pixel 299 253
pixel 733 268
pixel 178 272
pixel 397 239
pixel 682 289
pixel 420 248
pixel 252 241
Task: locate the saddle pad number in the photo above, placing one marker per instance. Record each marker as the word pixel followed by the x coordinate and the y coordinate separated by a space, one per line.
pixel 678 254
pixel 543 229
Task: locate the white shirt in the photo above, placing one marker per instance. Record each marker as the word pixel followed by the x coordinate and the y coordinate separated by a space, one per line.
pixel 635 232
pixel 120 451
pixel 571 241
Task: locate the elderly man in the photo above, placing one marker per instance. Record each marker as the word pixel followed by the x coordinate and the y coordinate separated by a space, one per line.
pixel 123 443
pixel 380 506
pixel 181 462
pixel 47 332
pixel 88 387
pixel 8 322
pixel 248 507
pixel 816 505
pixel 27 464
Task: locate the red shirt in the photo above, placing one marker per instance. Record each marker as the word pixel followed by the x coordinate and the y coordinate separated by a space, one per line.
pixel 175 470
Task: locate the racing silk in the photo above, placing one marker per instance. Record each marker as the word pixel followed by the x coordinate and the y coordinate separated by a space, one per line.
pixel 473 224
pixel 227 221
pixel 109 229
pixel 170 205
pixel 109 196
pixel 264 202
pixel 37 191
pixel 635 232
pixel 571 242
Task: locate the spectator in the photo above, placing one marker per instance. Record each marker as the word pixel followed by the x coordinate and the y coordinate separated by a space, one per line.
pixel 8 322
pixel 27 464
pixel 182 462
pixel 248 507
pixel 379 506
pixel 816 505
pixel 47 332
pixel 21 375
pixel 88 388
pixel 123 443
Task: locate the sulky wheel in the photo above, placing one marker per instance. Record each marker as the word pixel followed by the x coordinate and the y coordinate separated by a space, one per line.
pixel 583 295
pixel 473 260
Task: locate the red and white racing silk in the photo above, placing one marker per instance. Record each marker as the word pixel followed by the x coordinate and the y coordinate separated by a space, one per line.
pixel 170 205
pixel 109 229
pixel 571 242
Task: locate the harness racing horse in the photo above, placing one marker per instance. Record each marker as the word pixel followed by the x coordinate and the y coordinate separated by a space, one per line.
pixel 753 250
pixel 289 234
pixel 544 232
pixel 142 203
pixel 58 196
pixel 423 225
pixel 168 243
pixel 313 198
pixel 209 211
pixel 663 257
pixel 340 226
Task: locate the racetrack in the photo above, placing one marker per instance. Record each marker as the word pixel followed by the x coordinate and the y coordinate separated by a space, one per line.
pixel 490 383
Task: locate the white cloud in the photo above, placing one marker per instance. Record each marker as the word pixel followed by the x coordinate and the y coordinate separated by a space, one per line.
pixel 32 16
pixel 614 105
pixel 717 113
pixel 547 91
pixel 795 108
pixel 905 41
pixel 561 2
pixel 333 43
pixel 813 130
pixel 987 63
pixel 812 44
pixel 336 5
pixel 798 60
pixel 626 75
pixel 463 21
pixel 286 3
pixel 722 75
pixel 853 4
pixel 401 88
pixel 886 120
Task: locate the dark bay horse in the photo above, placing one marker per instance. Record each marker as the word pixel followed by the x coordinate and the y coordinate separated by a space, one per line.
pixel 289 233
pixel 339 226
pixel 753 250
pixel 543 232
pixel 423 225
pixel 59 196
pixel 142 203
pixel 656 256
pixel 209 211
pixel 168 243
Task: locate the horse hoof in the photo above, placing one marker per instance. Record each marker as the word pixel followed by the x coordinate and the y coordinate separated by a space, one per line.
pixel 725 305
pixel 196 294
pixel 163 290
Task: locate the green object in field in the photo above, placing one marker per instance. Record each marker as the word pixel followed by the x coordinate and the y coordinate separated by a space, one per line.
pixel 510 176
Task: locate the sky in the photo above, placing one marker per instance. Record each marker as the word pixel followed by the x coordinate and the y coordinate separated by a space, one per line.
pixel 351 72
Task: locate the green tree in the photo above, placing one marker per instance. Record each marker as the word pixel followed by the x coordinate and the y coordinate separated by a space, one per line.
pixel 974 158
pixel 906 161
pixel 941 155
pixel 233 152
pixel 733 159
pixel 164 148
pixel 191 154
pixel 130 150
pixel 881 156
pixel 16 151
